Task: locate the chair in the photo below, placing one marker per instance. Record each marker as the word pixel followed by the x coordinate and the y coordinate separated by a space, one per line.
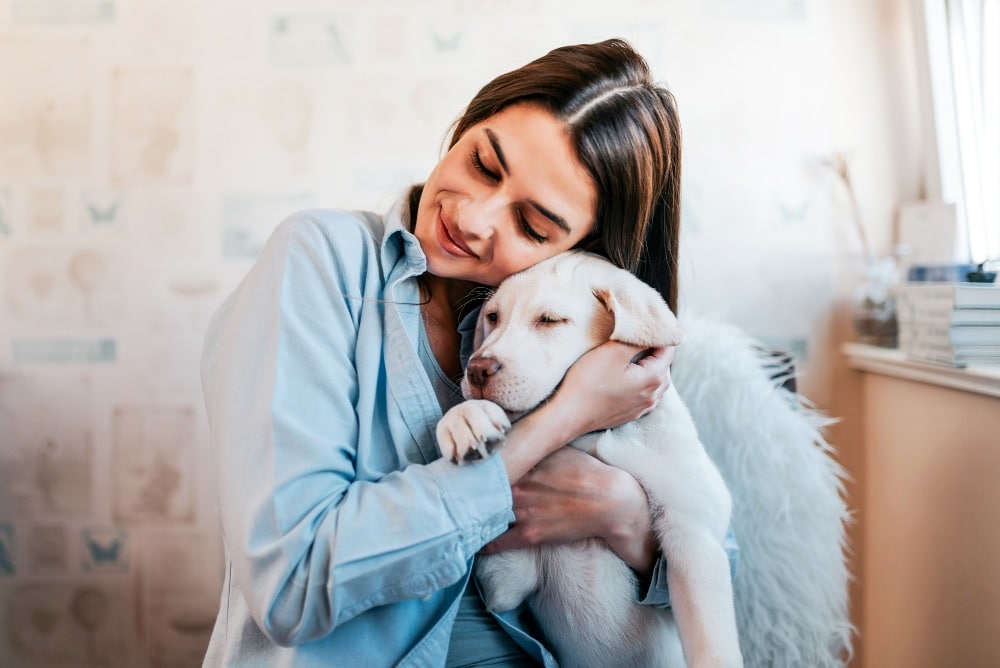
pixel 789 514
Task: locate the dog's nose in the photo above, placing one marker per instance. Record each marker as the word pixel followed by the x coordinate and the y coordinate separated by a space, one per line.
pixel 480 369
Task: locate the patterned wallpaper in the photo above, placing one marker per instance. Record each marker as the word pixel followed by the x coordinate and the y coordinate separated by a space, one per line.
pixel 148 147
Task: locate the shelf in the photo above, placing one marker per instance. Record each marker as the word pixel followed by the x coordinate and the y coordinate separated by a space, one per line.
pixel 891 362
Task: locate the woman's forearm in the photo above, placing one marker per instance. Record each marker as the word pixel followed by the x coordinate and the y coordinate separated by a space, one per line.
pixel 537 435
pixel 629 531
pixel 618 504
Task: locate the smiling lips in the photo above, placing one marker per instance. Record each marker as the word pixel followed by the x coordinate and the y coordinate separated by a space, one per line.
pixel 452 243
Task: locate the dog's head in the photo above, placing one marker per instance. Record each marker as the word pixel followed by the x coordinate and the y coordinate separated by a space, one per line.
pixel 541 320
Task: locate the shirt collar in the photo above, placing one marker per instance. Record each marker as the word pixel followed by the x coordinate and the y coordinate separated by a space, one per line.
pixel 399 243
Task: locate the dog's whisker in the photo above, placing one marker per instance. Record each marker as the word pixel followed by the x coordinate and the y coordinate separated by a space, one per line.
pixel 478 294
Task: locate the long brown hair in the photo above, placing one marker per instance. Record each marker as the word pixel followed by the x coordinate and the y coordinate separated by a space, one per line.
pixel 627 134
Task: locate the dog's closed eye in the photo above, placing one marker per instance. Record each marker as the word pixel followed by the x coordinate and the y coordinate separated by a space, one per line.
pixel 549 319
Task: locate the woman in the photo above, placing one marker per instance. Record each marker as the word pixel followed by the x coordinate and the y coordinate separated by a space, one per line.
pixel 348 540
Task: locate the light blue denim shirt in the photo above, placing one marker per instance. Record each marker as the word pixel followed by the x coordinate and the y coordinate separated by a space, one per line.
pixel 348 540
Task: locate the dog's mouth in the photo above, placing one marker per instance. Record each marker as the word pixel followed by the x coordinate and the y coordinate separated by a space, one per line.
pixel 514 410
pixel 470 391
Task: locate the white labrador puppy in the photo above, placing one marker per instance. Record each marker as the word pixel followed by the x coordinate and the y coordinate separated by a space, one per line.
pixel 529 333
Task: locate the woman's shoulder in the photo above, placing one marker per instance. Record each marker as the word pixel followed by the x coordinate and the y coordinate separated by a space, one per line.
pixel 331 242
pixel 352 231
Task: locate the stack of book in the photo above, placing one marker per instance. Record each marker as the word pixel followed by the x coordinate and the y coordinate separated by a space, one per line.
pixel 950 323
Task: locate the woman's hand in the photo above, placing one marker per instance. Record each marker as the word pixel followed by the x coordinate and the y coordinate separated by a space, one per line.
pixel 603 389
pixel 570 496
pixel 606 389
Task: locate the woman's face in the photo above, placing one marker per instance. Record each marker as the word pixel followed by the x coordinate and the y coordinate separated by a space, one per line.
pixel 510 193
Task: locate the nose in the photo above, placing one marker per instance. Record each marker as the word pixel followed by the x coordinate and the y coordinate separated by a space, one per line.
pixel 480 369
pixel 483 214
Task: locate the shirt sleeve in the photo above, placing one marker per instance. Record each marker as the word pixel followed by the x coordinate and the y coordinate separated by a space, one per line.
pixel 657 593
pixel 313 543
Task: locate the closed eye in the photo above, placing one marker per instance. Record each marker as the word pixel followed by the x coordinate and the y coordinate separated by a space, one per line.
pixel 528 230
pixel 547 319
pixel 477 162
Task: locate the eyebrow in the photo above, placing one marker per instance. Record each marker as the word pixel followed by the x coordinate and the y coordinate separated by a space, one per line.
pixel 554 217
pixel 495 143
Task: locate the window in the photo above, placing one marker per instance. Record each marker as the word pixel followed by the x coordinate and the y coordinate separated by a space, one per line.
pixel 962 60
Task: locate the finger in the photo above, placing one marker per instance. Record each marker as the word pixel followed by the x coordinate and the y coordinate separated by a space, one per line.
pixel 623 353
pixel 657 364
pixel 656 357
pixel 508 540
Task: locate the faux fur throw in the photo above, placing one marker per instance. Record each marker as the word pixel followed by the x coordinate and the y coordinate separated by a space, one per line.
pixel 789 515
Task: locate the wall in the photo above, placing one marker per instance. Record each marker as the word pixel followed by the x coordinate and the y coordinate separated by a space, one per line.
pixel 147 148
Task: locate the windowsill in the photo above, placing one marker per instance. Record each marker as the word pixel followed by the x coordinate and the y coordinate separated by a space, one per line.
pixel 891 362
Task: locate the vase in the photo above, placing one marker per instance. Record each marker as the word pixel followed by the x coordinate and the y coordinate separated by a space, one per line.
pixel 873 309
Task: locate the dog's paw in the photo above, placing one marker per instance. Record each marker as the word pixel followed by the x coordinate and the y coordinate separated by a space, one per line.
pixel 504 598
pixel 507 578
pixel 470 430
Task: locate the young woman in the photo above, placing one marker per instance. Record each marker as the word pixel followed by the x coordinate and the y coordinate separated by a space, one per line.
pixel 348 540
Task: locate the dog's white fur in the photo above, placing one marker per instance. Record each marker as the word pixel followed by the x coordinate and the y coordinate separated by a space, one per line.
pixel 533 328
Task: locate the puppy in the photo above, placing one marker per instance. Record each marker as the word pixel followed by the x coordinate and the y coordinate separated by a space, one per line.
pixel 583 596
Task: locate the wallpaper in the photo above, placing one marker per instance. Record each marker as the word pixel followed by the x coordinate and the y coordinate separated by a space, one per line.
pixel 149 147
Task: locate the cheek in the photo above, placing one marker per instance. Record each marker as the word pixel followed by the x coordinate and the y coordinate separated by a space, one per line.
pixel 502 264
pixel 511 257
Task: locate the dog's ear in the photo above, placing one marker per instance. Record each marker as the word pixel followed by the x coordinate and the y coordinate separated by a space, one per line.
pixel 641 316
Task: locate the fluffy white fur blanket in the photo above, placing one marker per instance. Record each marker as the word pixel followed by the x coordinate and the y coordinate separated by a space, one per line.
pixel 789 515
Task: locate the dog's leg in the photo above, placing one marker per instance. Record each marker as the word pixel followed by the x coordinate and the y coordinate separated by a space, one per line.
pixel 507 578
pixel 691 512
pixel 701 595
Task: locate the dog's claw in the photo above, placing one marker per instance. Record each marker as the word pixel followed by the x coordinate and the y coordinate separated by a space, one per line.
pixel 492 442
pixel 484 449
pixel 471 431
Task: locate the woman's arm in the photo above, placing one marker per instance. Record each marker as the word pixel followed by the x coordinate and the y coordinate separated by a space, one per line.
pixel 562 495
pixel 571 495
pixel 318 524
pixel 603 389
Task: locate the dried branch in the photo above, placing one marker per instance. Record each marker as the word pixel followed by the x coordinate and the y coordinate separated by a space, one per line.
pixel 838 164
